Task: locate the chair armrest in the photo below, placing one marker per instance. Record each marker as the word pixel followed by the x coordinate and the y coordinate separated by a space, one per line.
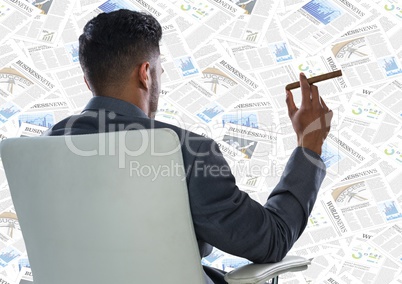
pixel 259 273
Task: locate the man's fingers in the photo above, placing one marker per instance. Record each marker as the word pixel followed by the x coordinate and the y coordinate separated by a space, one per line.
pixel 305 89
pixel 315 97
pixel 326 109
pixel 328 118
pixel 290 102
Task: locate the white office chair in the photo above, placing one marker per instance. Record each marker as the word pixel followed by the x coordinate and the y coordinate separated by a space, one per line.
pixel 92 211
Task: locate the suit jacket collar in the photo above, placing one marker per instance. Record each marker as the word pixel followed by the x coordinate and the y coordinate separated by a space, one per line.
pixel 117 106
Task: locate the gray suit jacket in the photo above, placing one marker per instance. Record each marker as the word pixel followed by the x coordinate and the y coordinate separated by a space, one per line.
pixel 223 216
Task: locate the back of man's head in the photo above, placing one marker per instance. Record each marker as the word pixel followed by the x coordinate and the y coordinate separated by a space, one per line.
pixel 113 44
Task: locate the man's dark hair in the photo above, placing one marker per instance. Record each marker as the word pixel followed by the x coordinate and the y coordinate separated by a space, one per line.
pixel 113 44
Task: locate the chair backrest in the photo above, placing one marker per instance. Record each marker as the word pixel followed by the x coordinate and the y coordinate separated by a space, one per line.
pixel 104 208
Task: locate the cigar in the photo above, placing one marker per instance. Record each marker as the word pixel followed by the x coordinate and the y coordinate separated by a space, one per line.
pixel 315 79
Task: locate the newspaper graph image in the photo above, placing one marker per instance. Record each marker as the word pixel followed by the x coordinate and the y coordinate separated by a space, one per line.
pixel 324 11
pixel 248 119
pixel 390 66
pixel 226 64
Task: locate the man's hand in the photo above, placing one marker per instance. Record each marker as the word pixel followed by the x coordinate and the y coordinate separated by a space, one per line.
pixel 312 120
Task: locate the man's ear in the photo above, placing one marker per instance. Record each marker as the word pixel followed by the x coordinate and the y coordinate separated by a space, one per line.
pixel 86 82
pixel 144 75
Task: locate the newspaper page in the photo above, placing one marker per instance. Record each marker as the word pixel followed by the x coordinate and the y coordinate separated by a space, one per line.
pixel 255 113
pixel 25 86
pixel 170 113
pixel 252 25
pixel 41 116
pixel 320 268
pixel 171 10
pixel 325 258
pixel 221 86
pixel 392 149
pixel 389 242
pixel 366 263
pixel 366 56
pixel 331 278
pixel 14 15
pixel 369 120
pixel 6 280
pixel 251 154
pixel 253 123
pixel 393 8
pixel 316 24
pixel 397 279
pixel 211 52
pixel 177 61
pixel 54 109
pixel 321 229
pixel 55 58
pixel 343 153
pixel 25 276
pixel 113 5
pixel 9 52
pixel 212 17
pixel 390 98
pixel 362 202
pixel 400 54
pixel 46 28
pixel 395 39
pixel 30 130
pixel 274 50
pixel 376 157
pixel 89 4
pixel 379 14
pixel 288 5
pixel 73 87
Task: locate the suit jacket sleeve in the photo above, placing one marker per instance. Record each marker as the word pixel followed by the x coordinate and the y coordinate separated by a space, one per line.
pixel 230 220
